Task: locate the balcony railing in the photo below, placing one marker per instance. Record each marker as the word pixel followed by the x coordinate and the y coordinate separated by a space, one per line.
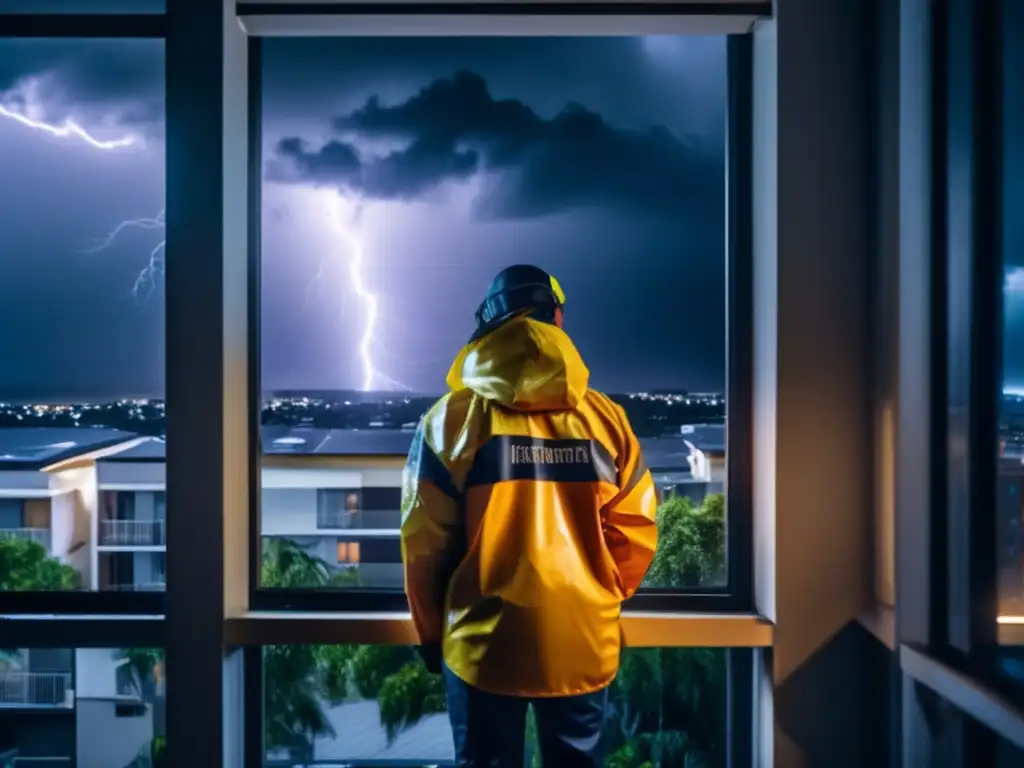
pixel 145 586
pixel 132 533
pixel 35 689
pixel 41 536
pixel 344 519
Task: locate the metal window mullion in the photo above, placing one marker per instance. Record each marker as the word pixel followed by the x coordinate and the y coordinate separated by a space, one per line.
pixel 739 323
pixel 207 404
pixel 82 26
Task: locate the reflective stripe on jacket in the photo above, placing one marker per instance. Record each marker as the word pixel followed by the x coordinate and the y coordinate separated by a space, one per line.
pixel 528 516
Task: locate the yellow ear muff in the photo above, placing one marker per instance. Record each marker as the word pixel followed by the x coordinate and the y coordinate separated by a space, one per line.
pixel 557 289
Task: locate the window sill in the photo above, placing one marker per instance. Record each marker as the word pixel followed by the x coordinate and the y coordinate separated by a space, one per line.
pixel 643 629
pixel 1011 630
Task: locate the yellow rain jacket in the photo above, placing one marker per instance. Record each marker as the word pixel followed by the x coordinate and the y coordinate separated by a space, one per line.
pixel 527 518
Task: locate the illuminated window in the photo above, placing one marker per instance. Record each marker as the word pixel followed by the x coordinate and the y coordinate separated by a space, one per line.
pixel 348 552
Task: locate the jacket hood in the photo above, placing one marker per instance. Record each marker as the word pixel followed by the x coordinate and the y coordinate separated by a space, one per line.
pixel 525 365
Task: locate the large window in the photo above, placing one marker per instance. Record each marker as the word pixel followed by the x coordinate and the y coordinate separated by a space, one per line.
pixel 1010 482
pixel 378 705
pixel 1011 463
pixel 85 707
pixel 399 176
pixel 123 284
pixel 81 145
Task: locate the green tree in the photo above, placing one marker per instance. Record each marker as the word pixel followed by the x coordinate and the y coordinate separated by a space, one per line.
pixel 691 543
pixel 299 677
pixel 287 565
pixel 408 695
pixel 303 679
pixel 25 566
pixel 158 752
pixel 295 695
pixel 668 704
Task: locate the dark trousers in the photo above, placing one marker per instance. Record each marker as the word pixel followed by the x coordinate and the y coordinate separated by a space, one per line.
pixel 490 730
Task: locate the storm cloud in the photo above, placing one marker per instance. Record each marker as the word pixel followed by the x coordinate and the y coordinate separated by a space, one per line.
pixel 121 80
pixel 529 166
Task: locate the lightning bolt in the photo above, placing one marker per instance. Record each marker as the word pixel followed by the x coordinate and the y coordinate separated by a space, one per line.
pixel 353 247
pixel 147 282
pixel 69 129
pixel 148 279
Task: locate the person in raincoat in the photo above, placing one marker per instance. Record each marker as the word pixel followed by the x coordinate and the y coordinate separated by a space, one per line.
pixel 528 516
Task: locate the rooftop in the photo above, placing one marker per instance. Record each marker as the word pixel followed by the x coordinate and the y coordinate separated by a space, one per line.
pixel 705 437
pixel 29 448
pixel 359 736
pixel 668 453
pixel 150 449
pixel 335 442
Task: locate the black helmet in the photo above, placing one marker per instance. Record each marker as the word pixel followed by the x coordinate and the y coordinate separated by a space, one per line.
pixel 515 290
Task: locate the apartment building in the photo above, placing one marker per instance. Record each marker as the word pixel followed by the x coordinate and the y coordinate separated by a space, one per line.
pixel 48 490
pixel 37 708
pixel 131 522
pixel 85 708
pixel 96 498
pixel 337 493
pixel 705 459
pixel 117 712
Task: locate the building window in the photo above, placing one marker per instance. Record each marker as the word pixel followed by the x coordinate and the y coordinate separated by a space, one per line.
pixel 84 267
pixel 488 183
pixel 378 704
pixel 336 508
pixel 348 552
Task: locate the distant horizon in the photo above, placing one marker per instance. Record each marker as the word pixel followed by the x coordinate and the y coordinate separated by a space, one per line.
pixel 11 398
pixel 319 393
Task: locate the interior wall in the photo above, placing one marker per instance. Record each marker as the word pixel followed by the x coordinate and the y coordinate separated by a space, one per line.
pixel 885 213
pixel 813 304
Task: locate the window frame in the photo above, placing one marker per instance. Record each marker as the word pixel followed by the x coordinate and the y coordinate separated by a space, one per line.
pixel 948 607
pixel 82 27
pixel 211 635
pixel 967 325
pixel 740 665
pixel 738 594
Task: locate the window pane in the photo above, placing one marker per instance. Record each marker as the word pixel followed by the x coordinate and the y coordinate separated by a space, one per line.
pixel 1011 465
pixel 82 6
pixel 90 707
pixel 81 414
pixel 376 704
pixel 401 175
pixel 1010 489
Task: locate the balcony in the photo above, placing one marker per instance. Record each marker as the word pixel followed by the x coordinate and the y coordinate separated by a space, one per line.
pixel 365 519
pixel 35 689
pixel 144 586
pixel 41 536
pixel 132 533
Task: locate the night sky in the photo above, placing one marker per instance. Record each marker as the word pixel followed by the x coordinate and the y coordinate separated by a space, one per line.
pixel 601 161
pixel 446 159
